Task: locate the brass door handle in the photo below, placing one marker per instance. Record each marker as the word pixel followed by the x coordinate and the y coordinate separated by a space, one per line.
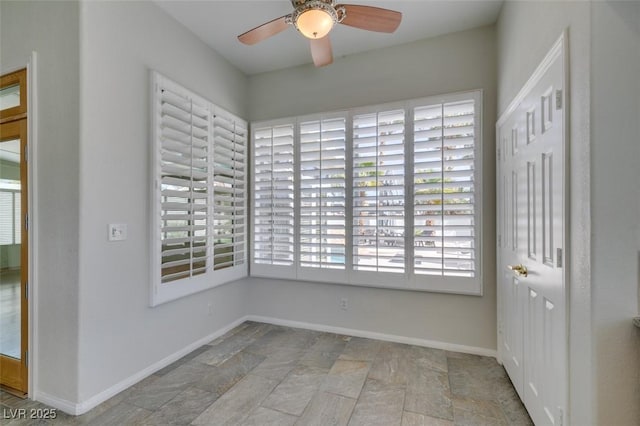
pixel 520 270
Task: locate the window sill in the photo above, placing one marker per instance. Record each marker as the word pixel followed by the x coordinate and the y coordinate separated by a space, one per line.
pixel 166 292
pixel 380 280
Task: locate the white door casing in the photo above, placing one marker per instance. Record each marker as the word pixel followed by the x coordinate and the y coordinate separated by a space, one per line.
pixel 531 186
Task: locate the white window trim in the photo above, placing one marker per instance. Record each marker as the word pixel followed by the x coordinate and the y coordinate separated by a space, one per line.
pixel 164 292
pixel 401 281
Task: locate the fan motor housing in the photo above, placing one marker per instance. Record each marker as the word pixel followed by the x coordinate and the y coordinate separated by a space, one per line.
pixel 299 3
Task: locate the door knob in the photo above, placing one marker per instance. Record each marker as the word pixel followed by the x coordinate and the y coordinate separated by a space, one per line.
pixel 520 270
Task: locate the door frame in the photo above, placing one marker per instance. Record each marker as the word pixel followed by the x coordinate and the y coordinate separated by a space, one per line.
pixel 30 63
pixel 560 47
pixel 15 372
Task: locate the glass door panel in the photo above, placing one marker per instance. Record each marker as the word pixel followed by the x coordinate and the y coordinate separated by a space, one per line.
pixel 10 248
pixel 10 97
pixel 13 257
pixel 13 96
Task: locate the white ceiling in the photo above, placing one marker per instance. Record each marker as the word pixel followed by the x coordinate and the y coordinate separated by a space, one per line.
pixel 219 22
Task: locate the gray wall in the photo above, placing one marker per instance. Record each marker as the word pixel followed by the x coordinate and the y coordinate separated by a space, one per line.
pixel 52 30
pixel 119 334
pixel 526 31
pixel 604 228
pixel 615 208
pixel 452 63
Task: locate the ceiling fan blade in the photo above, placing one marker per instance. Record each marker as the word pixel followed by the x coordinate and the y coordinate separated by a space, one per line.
pixel 264 31
pixel 321 51
pixel 371 18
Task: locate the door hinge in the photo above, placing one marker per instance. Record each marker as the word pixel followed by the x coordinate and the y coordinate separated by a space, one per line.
pixel 26 153
pixel 559 258
pixel 26 358
pixel 26 221
pixel 559 99
pixel 499 240
pixel 560 417
pixel 499 154
pixel 26 290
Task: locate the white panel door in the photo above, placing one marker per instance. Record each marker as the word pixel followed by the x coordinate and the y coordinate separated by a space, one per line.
pixel 531 211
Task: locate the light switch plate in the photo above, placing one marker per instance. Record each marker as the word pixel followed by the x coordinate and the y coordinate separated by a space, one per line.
pixel 117 231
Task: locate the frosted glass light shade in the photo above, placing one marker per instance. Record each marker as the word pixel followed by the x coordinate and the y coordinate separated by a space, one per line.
pixel 314 23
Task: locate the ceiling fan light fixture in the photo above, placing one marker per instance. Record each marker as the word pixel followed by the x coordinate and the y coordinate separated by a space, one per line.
pixel 314 19
pixel 314 23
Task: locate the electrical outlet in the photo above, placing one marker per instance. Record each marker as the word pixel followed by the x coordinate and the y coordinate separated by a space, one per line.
pixel 344 303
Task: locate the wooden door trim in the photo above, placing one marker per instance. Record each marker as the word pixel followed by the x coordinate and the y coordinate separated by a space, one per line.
pixel 14 373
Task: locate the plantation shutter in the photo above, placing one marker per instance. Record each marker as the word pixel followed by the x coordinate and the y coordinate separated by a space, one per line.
pixel 273 196
pixel 17 215
pixel 378 191
pixel 186 202
pixel 322 193
pixel 444 211
pixel 229 228
pixel 199 193
pixel 381 196
pixel 7 224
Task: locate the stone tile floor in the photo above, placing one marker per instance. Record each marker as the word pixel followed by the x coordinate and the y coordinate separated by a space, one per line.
pixel 261 374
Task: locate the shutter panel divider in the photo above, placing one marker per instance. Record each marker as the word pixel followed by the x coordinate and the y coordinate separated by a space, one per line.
pixel 409 202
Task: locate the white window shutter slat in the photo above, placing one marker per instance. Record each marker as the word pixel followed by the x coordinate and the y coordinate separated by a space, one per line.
pixel 378 192
pixel 323 193
pixel 444 227
pixel 229 230
pixel 7 217
pixel 273 219
pixel 406 216
pixel 185 135
pixel 200 188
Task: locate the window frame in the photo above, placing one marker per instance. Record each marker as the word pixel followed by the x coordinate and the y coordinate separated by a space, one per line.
pixel 164 292
pixel 407 280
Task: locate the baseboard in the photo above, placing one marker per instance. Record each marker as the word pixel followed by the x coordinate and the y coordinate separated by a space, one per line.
pixel 378 336
pixel 55 402
pixel 77 409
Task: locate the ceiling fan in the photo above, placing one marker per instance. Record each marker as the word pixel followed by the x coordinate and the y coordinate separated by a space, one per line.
pixel 314 19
